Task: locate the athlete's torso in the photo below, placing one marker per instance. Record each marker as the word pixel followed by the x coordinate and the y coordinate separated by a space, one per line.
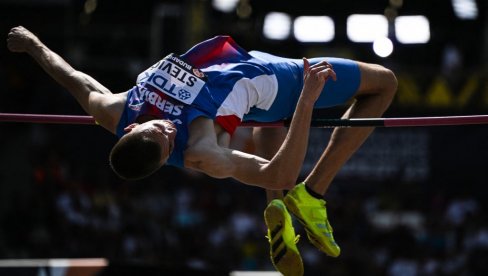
pixel 237 86
pixel 171 90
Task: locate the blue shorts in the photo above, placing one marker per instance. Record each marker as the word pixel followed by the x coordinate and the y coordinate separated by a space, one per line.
pixel 289 73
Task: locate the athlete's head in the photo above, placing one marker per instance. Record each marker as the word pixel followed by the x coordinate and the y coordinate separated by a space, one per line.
pixel 143 149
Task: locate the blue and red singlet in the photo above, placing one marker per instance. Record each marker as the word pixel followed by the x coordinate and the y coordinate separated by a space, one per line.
pixel 219 80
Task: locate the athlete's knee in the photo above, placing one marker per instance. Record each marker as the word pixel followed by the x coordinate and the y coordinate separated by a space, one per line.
pixel 389 87
pixel 387 83
pixel 390 81
pixel 378 84
pixel 377 79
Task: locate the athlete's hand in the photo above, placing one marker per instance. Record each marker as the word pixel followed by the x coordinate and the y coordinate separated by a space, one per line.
pixel 20 39
pixel 315 77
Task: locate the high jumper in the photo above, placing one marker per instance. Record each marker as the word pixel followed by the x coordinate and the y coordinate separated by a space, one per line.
pixel 183 110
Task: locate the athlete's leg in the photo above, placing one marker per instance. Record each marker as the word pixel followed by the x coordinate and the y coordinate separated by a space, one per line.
pixel 267 142
pixel 281 234
pixel 376 91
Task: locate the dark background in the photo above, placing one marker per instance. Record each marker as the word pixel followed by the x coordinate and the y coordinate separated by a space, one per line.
pixel 412 201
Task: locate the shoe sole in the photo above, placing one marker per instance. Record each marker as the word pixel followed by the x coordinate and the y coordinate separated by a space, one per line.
pixel 292 207
pixel 287 260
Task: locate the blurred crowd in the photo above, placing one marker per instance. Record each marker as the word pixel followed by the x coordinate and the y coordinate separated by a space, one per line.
pixel 77 208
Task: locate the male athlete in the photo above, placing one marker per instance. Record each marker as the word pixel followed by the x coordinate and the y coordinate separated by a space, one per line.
pixel 183 110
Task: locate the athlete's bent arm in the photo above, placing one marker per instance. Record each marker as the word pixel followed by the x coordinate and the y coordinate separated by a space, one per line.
pixel 95 99
pixel 283 169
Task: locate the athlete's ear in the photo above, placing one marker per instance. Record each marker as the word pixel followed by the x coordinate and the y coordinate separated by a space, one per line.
pixel 130 127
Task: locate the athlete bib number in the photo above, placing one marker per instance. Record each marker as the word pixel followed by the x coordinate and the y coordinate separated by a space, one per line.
pixel 175 78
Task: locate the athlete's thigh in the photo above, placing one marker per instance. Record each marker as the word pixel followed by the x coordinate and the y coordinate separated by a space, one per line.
pixel 268 140
pixel 345 87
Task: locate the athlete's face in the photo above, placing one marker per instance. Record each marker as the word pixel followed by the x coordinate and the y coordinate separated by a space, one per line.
pixel 162 131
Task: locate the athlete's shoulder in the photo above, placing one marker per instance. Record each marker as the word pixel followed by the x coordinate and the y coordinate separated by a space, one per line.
pixel 107 109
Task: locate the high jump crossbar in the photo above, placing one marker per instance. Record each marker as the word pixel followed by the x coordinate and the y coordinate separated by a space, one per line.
pixel 316 122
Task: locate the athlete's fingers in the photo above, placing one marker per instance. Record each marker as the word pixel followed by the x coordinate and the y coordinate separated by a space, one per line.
pixel 19 38
pixel 323 71
pixel 15 41
pixel 322 63
pixel 306 66
pixel 327 73
pixel 13 45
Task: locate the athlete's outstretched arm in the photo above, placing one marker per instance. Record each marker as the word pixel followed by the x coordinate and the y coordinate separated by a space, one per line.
pixel 283 169
pixel 95 98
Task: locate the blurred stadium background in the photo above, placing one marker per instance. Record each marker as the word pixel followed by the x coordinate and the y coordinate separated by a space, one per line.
pixel 412 201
